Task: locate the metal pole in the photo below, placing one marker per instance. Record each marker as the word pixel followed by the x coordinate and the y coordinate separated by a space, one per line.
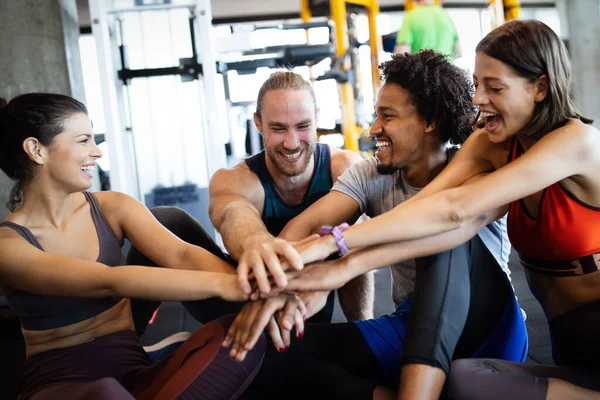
pixel 338 14
pixel 122 177
pixel 213 121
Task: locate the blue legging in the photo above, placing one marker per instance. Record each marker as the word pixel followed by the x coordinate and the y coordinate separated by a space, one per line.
pixel 463 306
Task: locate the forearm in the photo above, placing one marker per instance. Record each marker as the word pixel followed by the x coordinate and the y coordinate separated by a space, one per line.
pixel 296 230
pixel 153 283
pixel 197 258
pixel 357 297
pixel 369 258
pixel 242 228
pixel 429 216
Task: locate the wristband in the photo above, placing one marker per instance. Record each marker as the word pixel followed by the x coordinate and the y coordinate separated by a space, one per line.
pixel 336 231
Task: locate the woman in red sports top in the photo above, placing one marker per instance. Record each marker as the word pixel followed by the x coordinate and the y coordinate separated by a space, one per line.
pixel 535 154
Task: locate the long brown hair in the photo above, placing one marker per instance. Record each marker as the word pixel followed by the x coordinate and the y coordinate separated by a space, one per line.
pixel 532 50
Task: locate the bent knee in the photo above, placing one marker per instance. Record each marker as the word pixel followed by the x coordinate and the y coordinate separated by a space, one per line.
pixel 168 215
pixel 105 389
pixel 461 379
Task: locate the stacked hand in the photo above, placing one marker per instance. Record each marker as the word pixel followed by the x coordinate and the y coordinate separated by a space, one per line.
pixel 274 270
pixel 268 261
pixel 280 314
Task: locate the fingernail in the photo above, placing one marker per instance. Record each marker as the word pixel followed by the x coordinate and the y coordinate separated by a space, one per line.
pixel 282 350
pixel 300 335
pixel 285 349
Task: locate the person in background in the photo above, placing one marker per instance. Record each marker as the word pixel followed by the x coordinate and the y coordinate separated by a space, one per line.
pixel 428 26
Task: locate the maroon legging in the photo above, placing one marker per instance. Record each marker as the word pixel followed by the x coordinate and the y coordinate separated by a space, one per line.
pixel 116 367
pixel 575 349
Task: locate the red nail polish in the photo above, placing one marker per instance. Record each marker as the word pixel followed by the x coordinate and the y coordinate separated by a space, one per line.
pixel 282 350
pixel 300 335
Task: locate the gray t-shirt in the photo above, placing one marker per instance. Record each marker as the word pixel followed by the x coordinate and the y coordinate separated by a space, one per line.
pixel 377 194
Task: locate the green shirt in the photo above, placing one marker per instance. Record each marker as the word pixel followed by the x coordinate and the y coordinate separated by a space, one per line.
pixel 428 27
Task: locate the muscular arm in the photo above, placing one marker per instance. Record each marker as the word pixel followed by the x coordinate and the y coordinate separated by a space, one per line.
pixel 357 297
pixel 235 199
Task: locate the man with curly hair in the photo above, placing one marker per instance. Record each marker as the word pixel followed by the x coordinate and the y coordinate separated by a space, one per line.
pixel 452 305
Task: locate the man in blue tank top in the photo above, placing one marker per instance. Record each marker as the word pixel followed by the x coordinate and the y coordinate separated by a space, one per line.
pixel 252 202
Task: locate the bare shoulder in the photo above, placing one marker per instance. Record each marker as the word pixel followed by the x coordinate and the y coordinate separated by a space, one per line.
pixel 341 160
pixel 235 180
pixel 577 139
pixel 7 233
pixel 230 185
pixel 110 201
pixel 580 131
pixel 116 207
pixel 479 149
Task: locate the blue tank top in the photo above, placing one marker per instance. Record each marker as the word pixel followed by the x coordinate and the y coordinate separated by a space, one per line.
pixel 276 213
pixel 48 312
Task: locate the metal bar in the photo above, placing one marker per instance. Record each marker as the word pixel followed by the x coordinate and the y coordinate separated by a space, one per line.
pixel 303 25
pixel 151 8
pixel 305 12
pixel 214 120
pixel 121 177
pixel 375 44
pixel 191 70
pixel 363 3
pixel 512 9
pixel 338 14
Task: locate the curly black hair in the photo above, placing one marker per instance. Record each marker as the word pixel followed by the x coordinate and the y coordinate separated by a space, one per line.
pixel 442 93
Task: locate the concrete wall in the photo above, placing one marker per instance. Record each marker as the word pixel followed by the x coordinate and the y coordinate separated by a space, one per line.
pixel 582 21
pixel 39 52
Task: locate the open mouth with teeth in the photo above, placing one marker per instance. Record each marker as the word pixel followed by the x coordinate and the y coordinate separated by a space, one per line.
pixel 491 120
pixel 87 169
pixel 381 146
pixel 291 157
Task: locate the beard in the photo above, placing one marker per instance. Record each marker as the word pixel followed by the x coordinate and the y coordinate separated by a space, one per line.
pixel 291 170
pixel 386 169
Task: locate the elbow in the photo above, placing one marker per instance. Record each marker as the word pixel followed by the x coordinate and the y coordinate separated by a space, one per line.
pixel 108 286
pixel 457 211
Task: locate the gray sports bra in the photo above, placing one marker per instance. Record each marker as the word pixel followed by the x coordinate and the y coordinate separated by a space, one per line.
pixel 49 312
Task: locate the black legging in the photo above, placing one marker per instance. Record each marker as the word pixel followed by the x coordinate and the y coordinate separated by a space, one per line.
pixel 464 288
pixel 185 227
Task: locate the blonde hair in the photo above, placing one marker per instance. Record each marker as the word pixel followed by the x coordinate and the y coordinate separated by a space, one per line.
pixel 283 80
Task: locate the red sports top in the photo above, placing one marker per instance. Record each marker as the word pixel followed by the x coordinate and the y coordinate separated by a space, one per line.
pixel 565 237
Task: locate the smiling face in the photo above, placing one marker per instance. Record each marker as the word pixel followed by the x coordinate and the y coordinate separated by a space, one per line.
pixel 289 128
pixel 506 100
pixel 71 157
pixel 398 129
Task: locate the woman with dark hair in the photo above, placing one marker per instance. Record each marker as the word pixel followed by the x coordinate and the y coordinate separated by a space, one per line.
pixel 537 156
pixel 63 274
